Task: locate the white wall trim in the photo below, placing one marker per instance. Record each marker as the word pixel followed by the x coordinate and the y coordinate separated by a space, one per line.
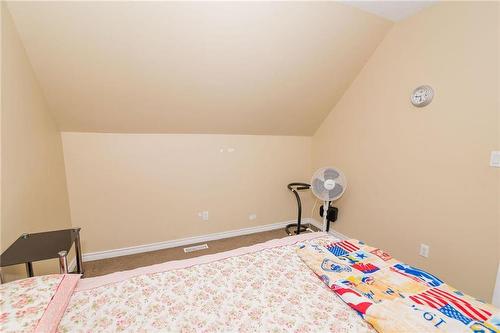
pixel 319 225
pixel 187 241
pixel 496 292
pixel 338 234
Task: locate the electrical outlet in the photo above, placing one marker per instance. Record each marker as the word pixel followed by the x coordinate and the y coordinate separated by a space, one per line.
pixel 203 215
pixel 495 159
pixel 424 250
pixel 252 216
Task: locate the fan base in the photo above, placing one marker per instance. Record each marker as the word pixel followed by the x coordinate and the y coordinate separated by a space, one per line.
pixel 292 229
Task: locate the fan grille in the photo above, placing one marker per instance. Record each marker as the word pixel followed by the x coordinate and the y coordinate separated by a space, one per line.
pixel 332 177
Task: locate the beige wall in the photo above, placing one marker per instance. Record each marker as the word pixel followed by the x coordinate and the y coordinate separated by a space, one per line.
pixel 33 196
pixel 422 175
pixel 134 189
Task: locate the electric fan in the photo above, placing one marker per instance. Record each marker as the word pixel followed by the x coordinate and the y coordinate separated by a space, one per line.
pixel 328 184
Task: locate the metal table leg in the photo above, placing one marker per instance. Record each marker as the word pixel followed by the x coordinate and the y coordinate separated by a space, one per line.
pixel 63 262
pixel 78 250
pixel 29 269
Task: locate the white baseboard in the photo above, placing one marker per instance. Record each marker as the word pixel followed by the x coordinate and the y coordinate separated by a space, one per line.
pixel 496 292
pixel 187 241
pixel 332 232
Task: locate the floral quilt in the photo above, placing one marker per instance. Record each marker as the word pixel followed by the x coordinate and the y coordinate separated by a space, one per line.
pixel 393 296
pixel 35 304
pixel 264 290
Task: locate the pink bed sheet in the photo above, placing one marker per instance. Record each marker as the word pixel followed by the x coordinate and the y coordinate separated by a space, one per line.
pixel 90 283
pixel 57 306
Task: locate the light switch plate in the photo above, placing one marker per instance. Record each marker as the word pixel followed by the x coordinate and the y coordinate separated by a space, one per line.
pixel 495 159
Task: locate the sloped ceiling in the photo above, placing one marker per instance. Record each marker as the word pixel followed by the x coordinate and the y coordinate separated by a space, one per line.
pixel 195 67
pixel 392 10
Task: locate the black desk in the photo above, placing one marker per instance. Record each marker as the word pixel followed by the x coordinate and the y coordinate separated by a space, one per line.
pixel 44 245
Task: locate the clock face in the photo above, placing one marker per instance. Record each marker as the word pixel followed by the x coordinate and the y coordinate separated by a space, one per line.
pixel 422 96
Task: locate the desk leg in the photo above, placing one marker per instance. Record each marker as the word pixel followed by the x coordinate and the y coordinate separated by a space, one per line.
pixel 29 269
pixel 78 250
pixel 63 262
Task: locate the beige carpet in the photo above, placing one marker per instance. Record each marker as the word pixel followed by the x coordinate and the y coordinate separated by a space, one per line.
pixel 105 266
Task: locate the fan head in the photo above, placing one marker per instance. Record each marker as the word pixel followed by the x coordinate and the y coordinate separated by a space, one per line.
pixel 328 184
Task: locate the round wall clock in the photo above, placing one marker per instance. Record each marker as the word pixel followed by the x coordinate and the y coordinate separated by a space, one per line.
pixel 422 96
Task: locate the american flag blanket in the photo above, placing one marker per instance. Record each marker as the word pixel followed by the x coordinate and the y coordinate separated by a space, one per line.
pixel 393 296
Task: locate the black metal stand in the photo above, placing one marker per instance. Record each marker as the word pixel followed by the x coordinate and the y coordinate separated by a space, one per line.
pixel 295 187
pixel 29 269
pixel 29 248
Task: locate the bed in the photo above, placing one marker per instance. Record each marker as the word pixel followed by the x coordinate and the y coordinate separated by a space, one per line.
pixel 277 286
pixel 265 287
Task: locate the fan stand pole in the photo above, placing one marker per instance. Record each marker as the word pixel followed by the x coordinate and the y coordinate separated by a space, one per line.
pixel 325 211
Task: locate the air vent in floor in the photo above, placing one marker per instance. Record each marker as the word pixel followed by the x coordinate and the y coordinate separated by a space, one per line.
pixel 195 248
